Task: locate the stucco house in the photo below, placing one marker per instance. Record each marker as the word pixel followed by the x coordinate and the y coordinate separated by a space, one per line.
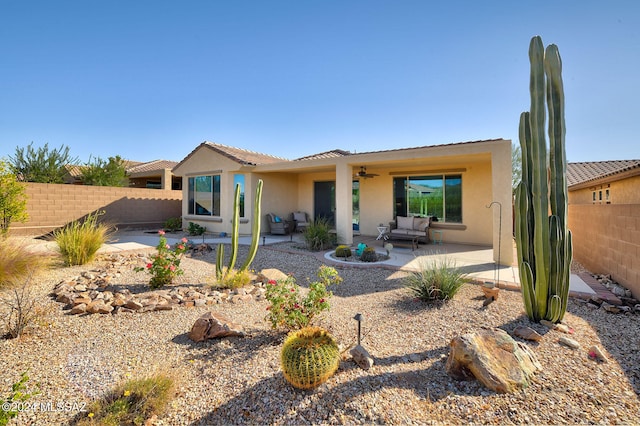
pixel 366 189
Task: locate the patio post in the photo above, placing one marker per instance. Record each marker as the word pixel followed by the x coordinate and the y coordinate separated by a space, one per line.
pixel 344 203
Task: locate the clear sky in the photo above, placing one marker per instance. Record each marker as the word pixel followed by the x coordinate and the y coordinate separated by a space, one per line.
pixel 153 79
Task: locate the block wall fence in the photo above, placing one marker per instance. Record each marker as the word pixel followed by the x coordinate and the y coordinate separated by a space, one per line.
pixel 51 206
pixel 606 240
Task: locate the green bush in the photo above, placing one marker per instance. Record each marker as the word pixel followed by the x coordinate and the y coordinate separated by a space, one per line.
pixel 436 280
pixel 195 229
pixel 232 279
pixel 79 241
pixel 369 255
pixel 317 235
pixel 288 309
pixel 132 403
pixel 19 393
pixel 343 251
pixel 173 224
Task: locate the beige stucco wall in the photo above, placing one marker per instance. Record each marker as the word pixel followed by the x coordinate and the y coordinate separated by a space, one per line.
pixel 626 191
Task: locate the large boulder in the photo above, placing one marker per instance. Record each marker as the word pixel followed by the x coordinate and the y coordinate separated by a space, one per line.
pixel 212 325
pixel 494 358
pixel 271 274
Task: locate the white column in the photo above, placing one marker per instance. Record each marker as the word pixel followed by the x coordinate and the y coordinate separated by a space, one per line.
pixel 502 193
pixel 344 203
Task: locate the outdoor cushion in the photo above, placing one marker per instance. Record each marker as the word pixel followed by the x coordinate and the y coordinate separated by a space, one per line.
pixel 277 219
pixel 299 217
pixel 405 222
pixel 421 224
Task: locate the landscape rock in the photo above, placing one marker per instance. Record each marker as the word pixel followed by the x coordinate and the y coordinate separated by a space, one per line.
pixel 610 308
pixel 573 344
pixel 361 357
pixel 490 291
pixel 212 325
pixel 78 309
pixel 271 274
pixel 597 353
pixel 494 358
pixel 527 333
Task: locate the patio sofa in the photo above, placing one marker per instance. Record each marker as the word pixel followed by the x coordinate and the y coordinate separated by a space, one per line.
pixel 278 225
pixel 410 227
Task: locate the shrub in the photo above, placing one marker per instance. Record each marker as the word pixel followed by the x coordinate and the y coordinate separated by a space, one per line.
pixel 343 251
pixel 369 255
pixel 437 280
pixel 195 229
pixel 13 199
pixel 289 310
pixel 233 279
pixel 80 241
pixel 132 403
pixel 165 264
pixel 19 394
pixel 21 310
pixel 309 357
pixel 317 235
pixel 173 224
pixel 17 262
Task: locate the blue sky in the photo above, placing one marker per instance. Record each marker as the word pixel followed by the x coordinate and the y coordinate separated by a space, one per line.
pixel 153 79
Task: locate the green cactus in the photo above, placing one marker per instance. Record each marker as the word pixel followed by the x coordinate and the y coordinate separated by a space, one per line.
pixel 369 255
pixel 221 271
pixel 309 357
pixel 343 251
pixel 543 241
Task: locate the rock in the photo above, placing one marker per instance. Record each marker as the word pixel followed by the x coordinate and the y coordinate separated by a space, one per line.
pixel 104 308
pixel 610 308
pixel 164 307
pixel 596 353
pixel 490 291
pixel 361 357
pixel 240 298
pixel 81 300
pixel 78 309
pixel 271 274
pixel 212 325
pixel 133 305
pixel 637 307
pixel 200 302
pixel 569 342
pixel 494 358
pixel 564 328
pixel 80 287
pixel 527 333
pixel 618 290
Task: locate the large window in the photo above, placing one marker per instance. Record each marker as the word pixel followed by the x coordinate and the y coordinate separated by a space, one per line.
pixel 204 195
pixel 239 180
pixel 437 196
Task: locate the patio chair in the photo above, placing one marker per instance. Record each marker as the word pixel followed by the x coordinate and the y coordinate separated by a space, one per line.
pixel 277 225
pixel 300 221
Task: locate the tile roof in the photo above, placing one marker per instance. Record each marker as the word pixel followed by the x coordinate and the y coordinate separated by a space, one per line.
pixel 149 166
pixel 243 156
pixel 334 153
pixel 578 173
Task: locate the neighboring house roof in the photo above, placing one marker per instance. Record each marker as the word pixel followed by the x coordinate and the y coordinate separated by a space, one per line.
pixel 583 173
pixel 239 155
pixel 151 166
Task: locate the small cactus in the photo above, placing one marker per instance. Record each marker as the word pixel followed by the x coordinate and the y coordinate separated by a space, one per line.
pixel 343 251
pixel 369 255
pixel 309 357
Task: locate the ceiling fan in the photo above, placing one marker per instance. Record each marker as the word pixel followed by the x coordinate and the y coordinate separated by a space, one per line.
pixel 363 173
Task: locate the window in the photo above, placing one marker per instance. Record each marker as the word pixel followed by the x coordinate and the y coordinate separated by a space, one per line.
pixel 204 195
pixel 239 180
pixel 438 195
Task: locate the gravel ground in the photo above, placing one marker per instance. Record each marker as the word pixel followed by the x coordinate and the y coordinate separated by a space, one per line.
pixel 238 380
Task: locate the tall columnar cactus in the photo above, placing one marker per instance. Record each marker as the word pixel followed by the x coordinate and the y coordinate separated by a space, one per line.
pixel 255 234
pixel 309 357
pixel 542 238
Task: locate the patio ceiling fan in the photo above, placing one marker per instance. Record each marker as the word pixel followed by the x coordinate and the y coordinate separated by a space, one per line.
pixel 363 173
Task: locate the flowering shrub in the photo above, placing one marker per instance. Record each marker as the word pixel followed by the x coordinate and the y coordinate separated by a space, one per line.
pixel 289 310
pixel 165 264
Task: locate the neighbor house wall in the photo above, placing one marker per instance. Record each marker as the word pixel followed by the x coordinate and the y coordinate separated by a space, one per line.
pixel 606 240
pixel 620 192
pixel 51 206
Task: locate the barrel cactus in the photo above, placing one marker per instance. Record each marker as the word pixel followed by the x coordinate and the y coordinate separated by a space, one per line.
pixel 542 238
pixel 369 255
pixel 309 357
pixel 343 251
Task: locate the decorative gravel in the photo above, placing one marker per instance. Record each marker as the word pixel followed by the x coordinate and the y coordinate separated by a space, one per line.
pixel 239 381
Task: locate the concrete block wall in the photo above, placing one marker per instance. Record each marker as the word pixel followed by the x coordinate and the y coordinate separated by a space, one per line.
pixel 606 240
pixel 51 206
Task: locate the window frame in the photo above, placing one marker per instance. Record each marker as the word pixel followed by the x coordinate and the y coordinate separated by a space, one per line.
pixel 402 202
pixel 193 208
